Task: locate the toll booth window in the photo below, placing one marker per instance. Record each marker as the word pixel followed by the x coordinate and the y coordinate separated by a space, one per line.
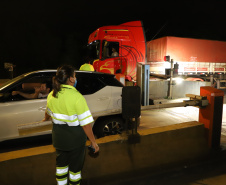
pixel 110 49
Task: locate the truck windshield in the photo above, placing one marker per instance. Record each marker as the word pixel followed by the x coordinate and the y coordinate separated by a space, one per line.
pixel 93 50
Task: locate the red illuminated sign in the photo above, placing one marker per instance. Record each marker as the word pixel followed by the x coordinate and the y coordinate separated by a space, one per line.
pixel 202 69
pixel 219 69
pixel 189 69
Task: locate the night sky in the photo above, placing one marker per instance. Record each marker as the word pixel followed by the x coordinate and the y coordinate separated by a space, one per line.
pixel 43 34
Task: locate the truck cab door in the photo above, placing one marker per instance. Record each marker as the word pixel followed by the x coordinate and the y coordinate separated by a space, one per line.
pixel 111 57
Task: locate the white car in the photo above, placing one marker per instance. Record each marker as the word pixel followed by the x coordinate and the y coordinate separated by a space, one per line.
pixel 20 117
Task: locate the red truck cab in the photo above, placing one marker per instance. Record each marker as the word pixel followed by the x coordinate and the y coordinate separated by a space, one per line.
pixel 117 49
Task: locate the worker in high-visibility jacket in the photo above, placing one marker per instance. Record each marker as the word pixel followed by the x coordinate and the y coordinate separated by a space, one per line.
pixel 71 119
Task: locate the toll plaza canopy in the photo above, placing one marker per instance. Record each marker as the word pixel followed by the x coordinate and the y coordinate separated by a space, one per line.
pixel 186 50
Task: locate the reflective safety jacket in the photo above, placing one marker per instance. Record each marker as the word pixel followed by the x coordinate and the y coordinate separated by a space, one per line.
pixel 69 107
pixel 69 112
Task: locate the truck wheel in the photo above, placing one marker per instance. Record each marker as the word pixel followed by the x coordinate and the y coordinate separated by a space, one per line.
pixel 108 126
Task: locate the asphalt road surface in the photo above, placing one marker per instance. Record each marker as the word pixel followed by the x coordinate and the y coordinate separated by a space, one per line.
pixel 208 174
pixel 212 172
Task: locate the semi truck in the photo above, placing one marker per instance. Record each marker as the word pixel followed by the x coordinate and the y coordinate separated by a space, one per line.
pixel 117 49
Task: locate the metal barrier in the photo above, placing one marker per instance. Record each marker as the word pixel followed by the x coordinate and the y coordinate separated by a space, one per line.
pixel 195 100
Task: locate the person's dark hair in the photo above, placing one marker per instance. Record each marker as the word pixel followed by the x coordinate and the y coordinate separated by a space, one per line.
pixel 63 73
pixel 48 84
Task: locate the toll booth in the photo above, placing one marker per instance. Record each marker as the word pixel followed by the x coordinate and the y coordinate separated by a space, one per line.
pixel 211 116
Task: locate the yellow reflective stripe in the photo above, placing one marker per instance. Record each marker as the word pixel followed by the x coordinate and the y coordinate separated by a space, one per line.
pixel 62 181
pixel 65 117
pixel 85 118
pixel 84 115
pixel 60 171
pixel 62 167
pixel 55 121
pixel 75 176
pixel 86 121
pixel 49 111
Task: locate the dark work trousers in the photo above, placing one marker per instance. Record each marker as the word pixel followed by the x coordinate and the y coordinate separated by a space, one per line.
pixel 69 165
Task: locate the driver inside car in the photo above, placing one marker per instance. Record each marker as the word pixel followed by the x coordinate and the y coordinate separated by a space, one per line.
pixel 40 92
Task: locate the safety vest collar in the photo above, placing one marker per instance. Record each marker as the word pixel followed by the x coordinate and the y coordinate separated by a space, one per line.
pixel 67 86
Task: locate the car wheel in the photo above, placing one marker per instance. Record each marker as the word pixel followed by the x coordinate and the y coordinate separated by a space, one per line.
pixel 108 126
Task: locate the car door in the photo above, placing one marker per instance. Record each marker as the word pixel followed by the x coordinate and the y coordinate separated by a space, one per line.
pixel 18 116
pixel 115 87
pixel 21 117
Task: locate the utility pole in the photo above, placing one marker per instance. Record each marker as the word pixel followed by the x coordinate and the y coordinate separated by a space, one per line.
pixel 171 80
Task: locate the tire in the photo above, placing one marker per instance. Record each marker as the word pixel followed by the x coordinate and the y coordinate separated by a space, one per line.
pixel 106 126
